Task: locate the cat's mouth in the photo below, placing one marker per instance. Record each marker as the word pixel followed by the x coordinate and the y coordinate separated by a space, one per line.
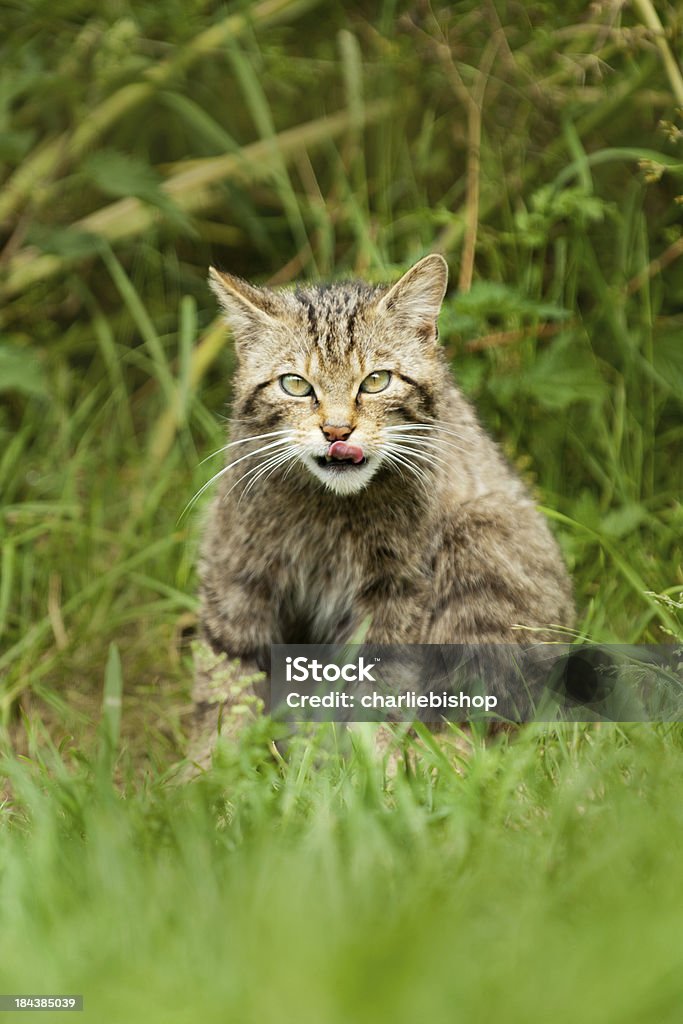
pixel 342 456
pixel 343 467
pixel 325 462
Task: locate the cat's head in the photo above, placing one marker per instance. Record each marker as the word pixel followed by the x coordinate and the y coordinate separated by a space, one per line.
pixel 339 377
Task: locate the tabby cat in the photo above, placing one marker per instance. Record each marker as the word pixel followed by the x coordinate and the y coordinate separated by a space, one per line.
pixel 359 486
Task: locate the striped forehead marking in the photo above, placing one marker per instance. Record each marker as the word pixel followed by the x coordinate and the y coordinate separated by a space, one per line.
pixel 331 314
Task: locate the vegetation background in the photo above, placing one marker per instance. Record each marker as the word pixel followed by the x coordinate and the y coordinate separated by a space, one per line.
pixel 540 148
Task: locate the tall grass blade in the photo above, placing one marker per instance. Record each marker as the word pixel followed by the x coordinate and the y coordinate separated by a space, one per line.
pixel 192 190
pixel 110 720
pixel 143 321
pixel 56 154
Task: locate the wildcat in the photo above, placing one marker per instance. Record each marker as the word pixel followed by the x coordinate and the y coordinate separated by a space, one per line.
pixel 359 487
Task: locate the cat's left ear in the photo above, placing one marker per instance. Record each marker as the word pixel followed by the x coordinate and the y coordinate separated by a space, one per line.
pixel 249 310
pixel 416 299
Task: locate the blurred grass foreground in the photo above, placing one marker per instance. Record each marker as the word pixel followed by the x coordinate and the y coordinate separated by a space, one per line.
pixel 540 148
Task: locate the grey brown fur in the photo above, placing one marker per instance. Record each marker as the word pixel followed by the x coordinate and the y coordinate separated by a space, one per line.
pixel 435 539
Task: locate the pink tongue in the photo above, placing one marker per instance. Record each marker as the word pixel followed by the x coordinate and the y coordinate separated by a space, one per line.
pixel 341 450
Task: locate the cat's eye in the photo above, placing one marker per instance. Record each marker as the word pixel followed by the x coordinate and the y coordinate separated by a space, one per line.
pixel 376 381
pixel 295 386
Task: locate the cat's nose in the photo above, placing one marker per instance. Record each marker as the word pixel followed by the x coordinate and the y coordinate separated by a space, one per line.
pixel 336 432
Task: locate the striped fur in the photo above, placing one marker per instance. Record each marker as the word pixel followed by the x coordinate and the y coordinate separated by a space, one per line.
pixel 433 538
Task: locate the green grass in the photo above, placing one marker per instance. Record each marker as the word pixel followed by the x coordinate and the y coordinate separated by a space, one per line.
pixel 528 882
pixel 541 150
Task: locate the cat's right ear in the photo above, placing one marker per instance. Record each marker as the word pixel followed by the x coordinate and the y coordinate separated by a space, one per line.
pixel 247 309
pixel 415 300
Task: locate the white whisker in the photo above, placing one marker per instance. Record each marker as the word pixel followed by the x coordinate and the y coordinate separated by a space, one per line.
pixel 430 457
pixel 243 440
pixel 421 439
pixel 263 464
pixel 204 487
pixel 432 442
pixel 397 458
pixel 434 448
pixel 388 458
pixel 269 468
pixel 417 473
pixel 289 469
pixel 400 464
pixel 440 427
pixel 281 442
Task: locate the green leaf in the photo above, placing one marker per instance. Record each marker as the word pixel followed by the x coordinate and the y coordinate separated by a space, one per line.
pixel 488 299
pixel 563 374
pixel 21 371
pixel 71 243
pixel 14 145
pixel 621 521
pixel 119 175
pixel 668 361
pixel 549 206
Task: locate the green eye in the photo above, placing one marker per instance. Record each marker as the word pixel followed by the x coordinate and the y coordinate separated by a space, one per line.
pixel 295 386
pixel 376 381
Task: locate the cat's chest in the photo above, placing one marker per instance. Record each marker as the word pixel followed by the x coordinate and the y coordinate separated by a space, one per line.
pixel 337 577
pixel 320 599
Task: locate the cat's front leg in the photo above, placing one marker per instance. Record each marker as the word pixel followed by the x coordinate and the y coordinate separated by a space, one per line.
pixel 231 661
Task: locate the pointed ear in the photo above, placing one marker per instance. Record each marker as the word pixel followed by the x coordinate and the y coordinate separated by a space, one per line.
pixel 416 299
pixel 247 309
